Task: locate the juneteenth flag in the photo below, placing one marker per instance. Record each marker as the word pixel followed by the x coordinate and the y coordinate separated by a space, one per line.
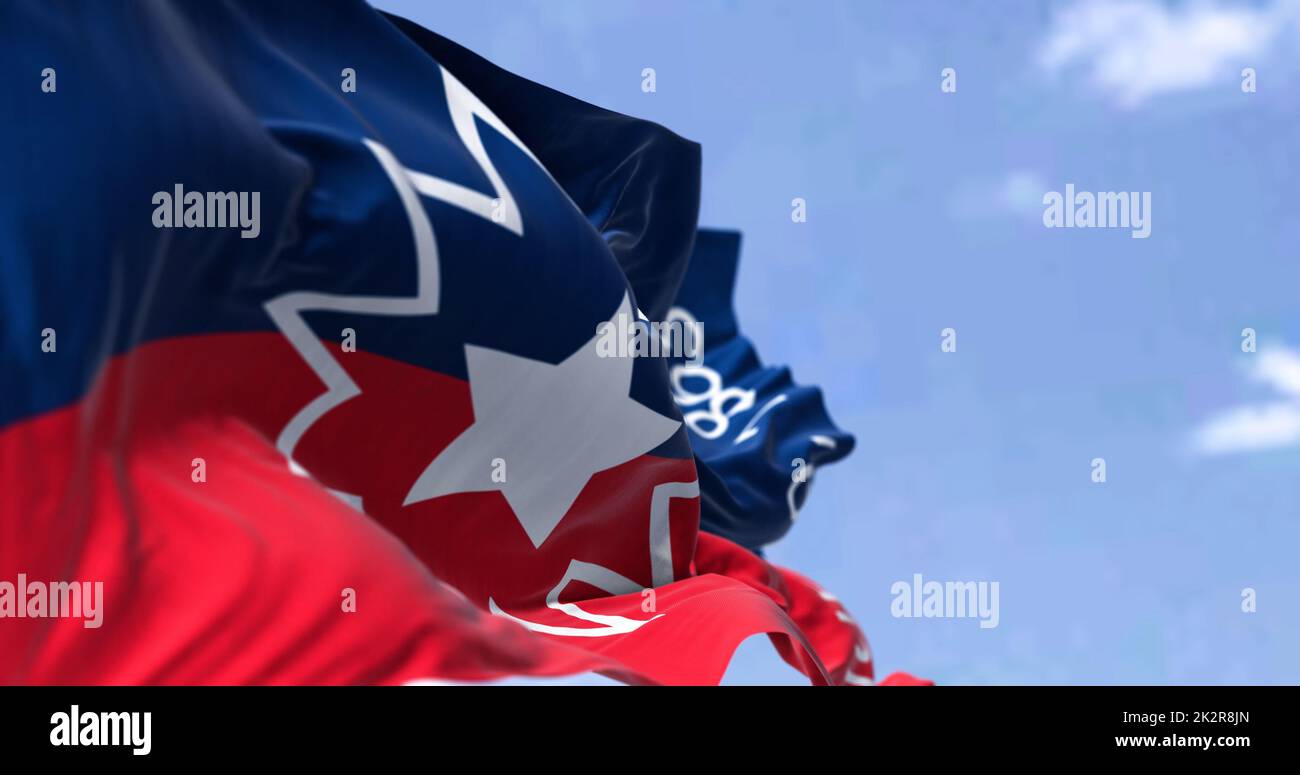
pixel 301 378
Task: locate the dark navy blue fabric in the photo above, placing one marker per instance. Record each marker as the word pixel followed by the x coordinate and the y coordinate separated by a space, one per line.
pixel 637 182
pixel 747 485
pixel 245 96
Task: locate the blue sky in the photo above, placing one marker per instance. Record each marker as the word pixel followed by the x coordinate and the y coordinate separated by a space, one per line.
pixel 924 212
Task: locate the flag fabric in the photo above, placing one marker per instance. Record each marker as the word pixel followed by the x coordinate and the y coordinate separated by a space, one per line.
pixel 307 376
pixel 757 436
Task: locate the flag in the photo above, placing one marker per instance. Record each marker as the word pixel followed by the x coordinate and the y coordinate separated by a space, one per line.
pixel 757 435
pixel 302 320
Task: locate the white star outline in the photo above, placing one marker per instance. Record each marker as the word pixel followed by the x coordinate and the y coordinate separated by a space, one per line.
pixel 286 312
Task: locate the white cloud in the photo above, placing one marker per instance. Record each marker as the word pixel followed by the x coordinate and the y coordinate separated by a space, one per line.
pixel 1280 367
pixel 1251 428
pixel 1135 49
pixel 1262 426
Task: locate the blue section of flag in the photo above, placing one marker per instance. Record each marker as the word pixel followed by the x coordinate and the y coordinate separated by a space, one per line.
pixel 637 182
pixel 246 97
pixel 752 428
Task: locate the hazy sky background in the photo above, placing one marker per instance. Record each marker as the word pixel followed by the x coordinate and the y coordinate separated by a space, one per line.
pixel 924 212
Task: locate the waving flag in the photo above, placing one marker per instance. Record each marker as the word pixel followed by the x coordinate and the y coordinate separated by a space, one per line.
pixel 306 375
pixel 757 435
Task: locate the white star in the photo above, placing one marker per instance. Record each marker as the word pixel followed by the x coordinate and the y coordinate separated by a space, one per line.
pixel 553 426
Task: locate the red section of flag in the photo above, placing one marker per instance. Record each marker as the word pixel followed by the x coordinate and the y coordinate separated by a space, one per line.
pixel 243 577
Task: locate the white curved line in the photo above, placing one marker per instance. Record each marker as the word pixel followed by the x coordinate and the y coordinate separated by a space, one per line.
pixel 286 310
pixel 464 106
pixel 597 576
pixel 661 547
